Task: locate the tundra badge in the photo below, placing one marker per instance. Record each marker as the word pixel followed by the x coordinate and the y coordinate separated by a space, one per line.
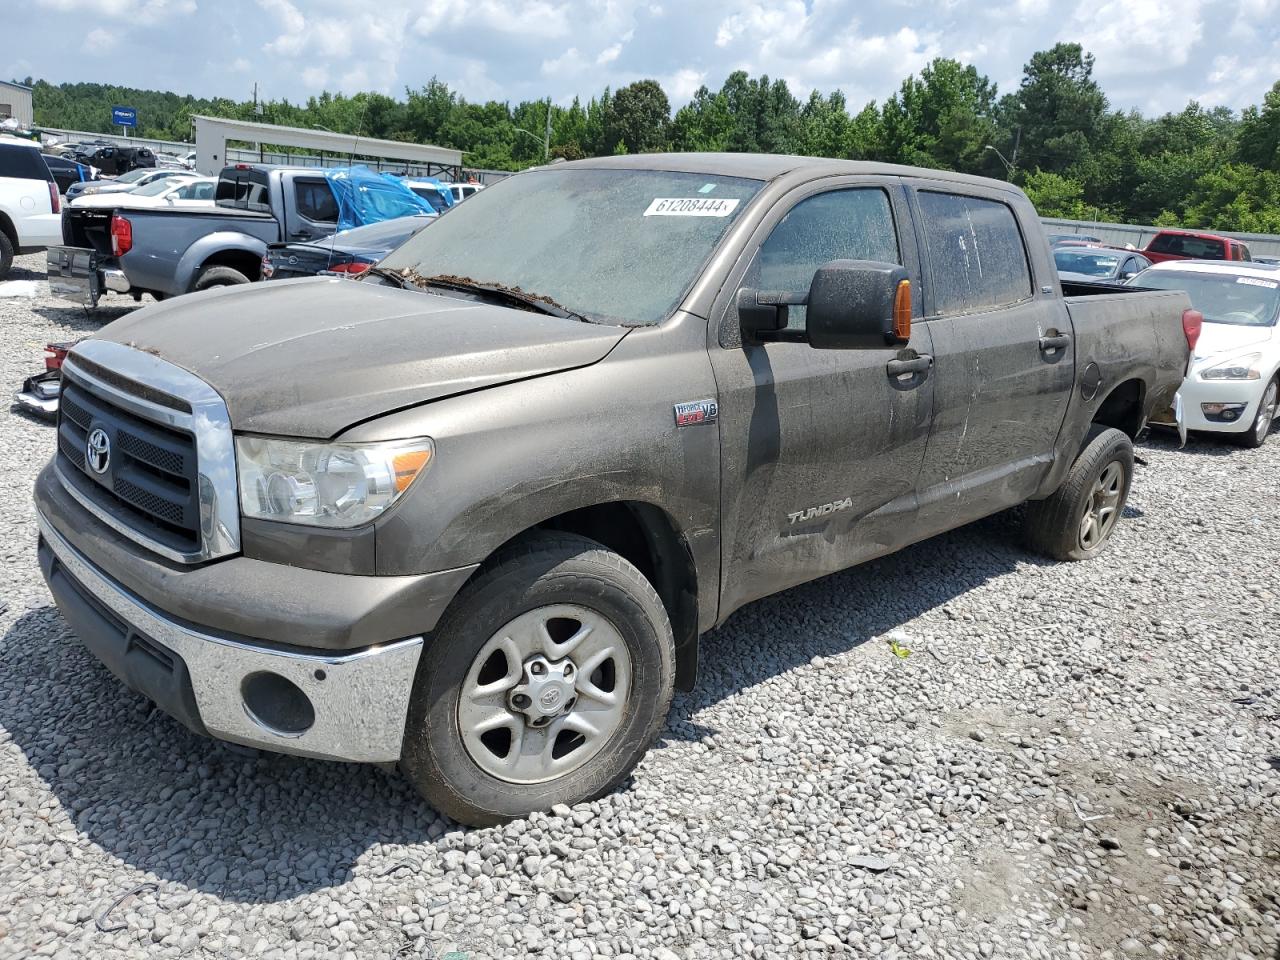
pixel 696 411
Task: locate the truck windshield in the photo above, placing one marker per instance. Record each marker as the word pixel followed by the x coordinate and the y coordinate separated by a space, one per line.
pixel 616 246
pixel 1221 297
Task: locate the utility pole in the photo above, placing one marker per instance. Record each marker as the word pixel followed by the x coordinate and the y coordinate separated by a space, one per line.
pixel 1017 139
pixel 257 107
pixel 546 140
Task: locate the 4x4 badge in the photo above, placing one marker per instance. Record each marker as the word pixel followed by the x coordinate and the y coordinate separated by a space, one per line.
pixel 695 412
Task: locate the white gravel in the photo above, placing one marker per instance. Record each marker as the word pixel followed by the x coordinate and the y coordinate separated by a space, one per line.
pixel 1076 760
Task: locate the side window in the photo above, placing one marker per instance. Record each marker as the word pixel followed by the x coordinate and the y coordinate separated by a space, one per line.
pixel 203 191
pixel 854 224
pixel 315 201
pixel 975 252
pixel 23 163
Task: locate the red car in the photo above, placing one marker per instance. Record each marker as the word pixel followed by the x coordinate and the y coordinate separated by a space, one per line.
pixel 1189 245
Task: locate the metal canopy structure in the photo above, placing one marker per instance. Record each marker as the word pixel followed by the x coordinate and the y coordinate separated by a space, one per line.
pixel 212 134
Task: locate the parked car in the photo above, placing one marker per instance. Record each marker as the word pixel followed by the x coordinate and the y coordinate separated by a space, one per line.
pixel 349 252
pixel 1191 245
pixel 67 172
pixel 1080 238
pixel 1234 379
pixel 123 184
pixel 1097 264
pixel 167 252
pixel 439 195
pixel 114 160
pixel 185 192
pixel 1266 261
pixel 29 201
pixel 264 499
pixel 461 191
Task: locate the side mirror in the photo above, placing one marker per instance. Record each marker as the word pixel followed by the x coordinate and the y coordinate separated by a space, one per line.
pixel 852 305
pixel 1126 275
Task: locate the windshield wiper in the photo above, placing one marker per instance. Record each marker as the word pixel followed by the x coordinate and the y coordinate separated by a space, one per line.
pixel 510 295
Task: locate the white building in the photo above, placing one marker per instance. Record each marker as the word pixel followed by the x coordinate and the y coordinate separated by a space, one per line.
pixel 15 101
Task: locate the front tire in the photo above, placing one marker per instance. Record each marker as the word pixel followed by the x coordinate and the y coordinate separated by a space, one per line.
pixel 1076 521
pixel 544 683
pixel 1256 435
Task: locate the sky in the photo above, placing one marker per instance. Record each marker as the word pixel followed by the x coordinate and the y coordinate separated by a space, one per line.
pixel 1152 55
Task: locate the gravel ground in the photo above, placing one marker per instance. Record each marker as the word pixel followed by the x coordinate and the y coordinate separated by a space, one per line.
pixel 1076 760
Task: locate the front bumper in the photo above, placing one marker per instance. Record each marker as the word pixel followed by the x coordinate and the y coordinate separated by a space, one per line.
pixel 1196 392
pixel 357 701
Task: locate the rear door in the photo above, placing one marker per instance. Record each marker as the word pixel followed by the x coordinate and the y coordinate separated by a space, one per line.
pixel 820 448
pixel 1003 350
pixel 311 211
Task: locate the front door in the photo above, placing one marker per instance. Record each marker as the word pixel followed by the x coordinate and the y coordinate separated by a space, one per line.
pixel 1004 358
pixel 820 448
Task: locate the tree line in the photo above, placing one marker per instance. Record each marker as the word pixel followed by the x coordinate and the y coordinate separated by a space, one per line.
pixel 1056 135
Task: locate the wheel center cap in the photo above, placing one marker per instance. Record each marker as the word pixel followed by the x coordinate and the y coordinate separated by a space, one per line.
pixel 545 690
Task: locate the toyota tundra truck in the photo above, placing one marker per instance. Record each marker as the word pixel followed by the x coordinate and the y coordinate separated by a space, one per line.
pixel 470 513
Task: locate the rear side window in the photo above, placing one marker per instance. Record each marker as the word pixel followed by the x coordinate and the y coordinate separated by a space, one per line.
pixel 976 253
pixel 852 224
pixel 315 201
pixel 22 163
pixel 245 189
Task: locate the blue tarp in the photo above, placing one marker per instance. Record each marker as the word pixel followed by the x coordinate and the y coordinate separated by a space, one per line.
pixel 366 197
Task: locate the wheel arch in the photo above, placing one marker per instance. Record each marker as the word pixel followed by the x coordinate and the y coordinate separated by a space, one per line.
pixel 1123 407
pixel 9 230
pixel 649 538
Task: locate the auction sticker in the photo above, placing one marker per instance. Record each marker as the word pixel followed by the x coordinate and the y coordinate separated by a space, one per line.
pixel 1255 282
pixel 690 207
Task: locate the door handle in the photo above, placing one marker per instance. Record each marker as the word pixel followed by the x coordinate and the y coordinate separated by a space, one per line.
pixel 903 368
pixel 1055 342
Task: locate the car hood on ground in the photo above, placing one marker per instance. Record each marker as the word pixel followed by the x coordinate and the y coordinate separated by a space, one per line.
pixel 311 357
pixel 1227 338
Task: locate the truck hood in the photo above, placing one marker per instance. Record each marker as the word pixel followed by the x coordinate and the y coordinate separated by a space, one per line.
pixel 310 357
pixel 1223 338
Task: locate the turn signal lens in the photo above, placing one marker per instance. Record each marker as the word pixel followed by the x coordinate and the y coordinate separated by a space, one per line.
pixel 408 465
pixel 902 312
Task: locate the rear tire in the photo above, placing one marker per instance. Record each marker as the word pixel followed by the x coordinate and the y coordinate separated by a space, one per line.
pixel 488 738
pixel 6 255
pixel 1256 435
pixel 219 277
pixel 1076 521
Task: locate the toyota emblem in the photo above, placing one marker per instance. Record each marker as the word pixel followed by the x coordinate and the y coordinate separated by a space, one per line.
pixel 97 450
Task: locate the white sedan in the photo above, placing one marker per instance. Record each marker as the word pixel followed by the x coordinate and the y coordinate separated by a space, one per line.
pixel 177 191
pixel 1233 386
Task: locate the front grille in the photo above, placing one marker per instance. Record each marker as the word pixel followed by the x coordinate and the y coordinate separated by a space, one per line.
pixel 150 482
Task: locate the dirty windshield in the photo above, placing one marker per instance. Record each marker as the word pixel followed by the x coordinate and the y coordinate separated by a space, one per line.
pixel 1222 297
pixel 617 246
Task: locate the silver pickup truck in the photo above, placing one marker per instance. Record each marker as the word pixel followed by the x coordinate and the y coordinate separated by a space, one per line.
pixel 166 252
pixel 470 513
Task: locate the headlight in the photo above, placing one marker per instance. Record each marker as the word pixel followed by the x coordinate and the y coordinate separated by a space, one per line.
pixel 326 484
pixel 1237 368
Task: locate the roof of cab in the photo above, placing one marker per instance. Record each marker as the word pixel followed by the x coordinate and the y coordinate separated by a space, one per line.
pixel 764 166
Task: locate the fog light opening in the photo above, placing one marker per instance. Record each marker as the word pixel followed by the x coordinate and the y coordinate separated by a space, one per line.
pixel 277 705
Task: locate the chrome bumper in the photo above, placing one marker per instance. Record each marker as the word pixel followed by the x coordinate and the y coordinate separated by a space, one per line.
pixel 359 700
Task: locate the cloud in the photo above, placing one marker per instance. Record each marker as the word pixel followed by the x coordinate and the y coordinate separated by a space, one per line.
pixel 99 40
pixel 1151 54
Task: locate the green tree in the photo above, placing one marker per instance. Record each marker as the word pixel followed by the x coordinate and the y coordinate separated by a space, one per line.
pixel 1235 197
pixel 1054 195
pixel 1058 108
pixel 640 117
pixel 1259 143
